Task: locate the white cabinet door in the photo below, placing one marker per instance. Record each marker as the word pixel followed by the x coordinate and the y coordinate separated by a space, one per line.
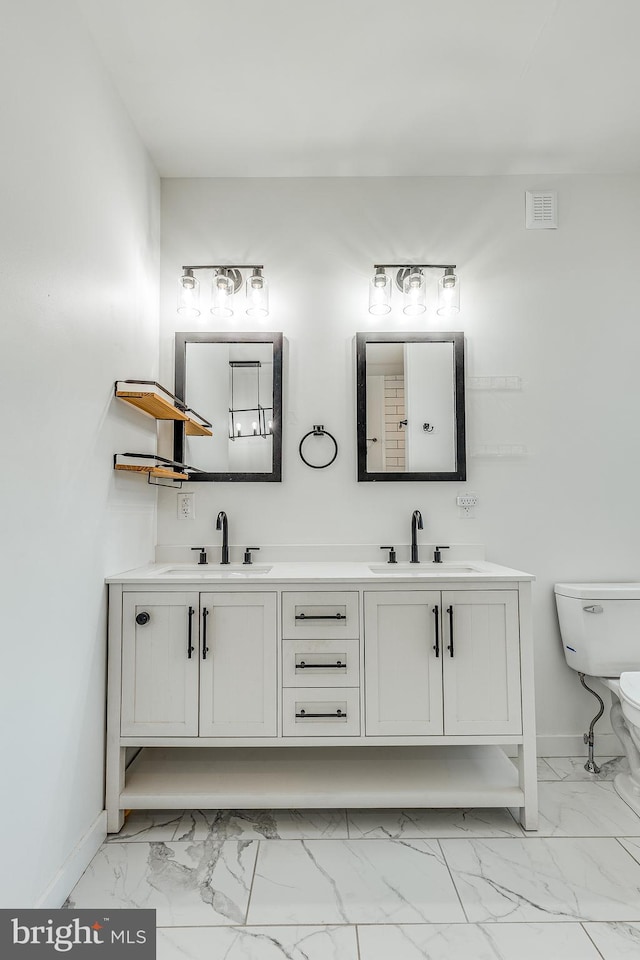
pixel 238 665
pixel 159 670
pixel 482 671
pixel 403 672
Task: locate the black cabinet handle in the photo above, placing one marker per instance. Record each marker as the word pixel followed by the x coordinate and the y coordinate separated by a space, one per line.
pixel 321 666
pixel 205 648
pixel 436 645
pixel 450 647
pixel 189 646
pixel 143 618
pixel 311 616
pixel 303 715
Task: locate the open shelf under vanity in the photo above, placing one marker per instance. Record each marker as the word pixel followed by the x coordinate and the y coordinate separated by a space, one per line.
pixel 304 777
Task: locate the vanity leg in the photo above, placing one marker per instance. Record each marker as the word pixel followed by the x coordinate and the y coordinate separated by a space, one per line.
pixel 527 761
pixel 528 780
pixel 116 757
pixel 115 754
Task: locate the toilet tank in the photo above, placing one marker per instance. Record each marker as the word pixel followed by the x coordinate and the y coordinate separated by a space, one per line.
pixel 600 626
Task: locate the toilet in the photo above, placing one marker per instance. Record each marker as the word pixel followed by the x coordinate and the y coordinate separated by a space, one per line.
pixel 600 630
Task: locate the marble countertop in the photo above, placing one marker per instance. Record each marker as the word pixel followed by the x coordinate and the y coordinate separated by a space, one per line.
pixel 472 571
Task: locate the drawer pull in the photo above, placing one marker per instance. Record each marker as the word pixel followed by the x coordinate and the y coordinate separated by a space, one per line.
pixel 321 666
pixel 311 616
pixel 303 715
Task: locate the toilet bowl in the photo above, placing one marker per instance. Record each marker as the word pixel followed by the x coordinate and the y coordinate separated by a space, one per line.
pixel 630 697
pixel 600 630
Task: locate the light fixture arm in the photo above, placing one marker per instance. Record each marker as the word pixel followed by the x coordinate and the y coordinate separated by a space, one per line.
pixel 421 266
pixel 226 266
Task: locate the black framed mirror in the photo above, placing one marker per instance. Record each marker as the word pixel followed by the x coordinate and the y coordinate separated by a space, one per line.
pixel 235 379
pixel 410 406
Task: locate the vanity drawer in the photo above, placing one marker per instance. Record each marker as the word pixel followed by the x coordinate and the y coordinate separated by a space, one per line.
pixel 327 712
pixel 320 663
pixel 320 616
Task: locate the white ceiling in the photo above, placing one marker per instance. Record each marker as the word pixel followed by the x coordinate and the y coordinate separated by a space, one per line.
pixel 296 88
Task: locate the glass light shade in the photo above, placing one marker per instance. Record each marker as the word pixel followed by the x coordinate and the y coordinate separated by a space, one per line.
pixel 257 295
pixel 189 296
pixel 380 294
pixel 413 288
pixel 448 295
pixel 221 293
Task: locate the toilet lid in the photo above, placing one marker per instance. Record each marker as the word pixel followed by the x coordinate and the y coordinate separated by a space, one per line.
pixel 630 687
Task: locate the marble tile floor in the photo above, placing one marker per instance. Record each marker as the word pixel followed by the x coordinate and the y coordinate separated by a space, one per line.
pixel 381 884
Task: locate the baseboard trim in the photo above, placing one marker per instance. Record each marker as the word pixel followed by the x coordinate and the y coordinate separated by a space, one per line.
pixel 75 865
pixel 606 745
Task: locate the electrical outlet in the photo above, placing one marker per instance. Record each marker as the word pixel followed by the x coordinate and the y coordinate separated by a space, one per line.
pixel 466 504
pixel 186 506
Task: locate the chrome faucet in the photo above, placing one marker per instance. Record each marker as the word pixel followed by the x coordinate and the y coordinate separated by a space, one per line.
pixel 416 524
pixel 222 524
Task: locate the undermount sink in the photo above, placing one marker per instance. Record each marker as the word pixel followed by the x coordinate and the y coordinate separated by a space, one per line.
pixel 227 570
pixel 420 569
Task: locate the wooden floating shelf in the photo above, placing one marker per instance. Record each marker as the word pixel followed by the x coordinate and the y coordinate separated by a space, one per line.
pixel 195 429
pixel 153 404
pixel 158 402
pixel 161 408
pixel 152 470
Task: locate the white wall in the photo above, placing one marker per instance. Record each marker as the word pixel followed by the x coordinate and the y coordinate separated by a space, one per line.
pixel 79 249
pixel 557 308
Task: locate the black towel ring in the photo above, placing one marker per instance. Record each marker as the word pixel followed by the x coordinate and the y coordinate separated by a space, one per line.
pixel 318 431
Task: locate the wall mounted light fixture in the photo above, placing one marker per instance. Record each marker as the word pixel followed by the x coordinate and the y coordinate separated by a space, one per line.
pixel 226 281
pixel 410 281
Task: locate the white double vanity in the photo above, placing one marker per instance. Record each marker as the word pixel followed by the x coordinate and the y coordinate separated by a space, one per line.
pixel 318 684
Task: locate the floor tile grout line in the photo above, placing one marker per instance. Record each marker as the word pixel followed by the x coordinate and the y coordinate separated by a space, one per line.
pixel 386 923
pixel 455 887
pixel 173 838
pixel 346 821
pixel 253 926
pixel 253 877
pixel 349 837
pixel 481 835
pixel 522 833
pixel 556 776
pixel 358 955
pixel 621 844
pixel 591 940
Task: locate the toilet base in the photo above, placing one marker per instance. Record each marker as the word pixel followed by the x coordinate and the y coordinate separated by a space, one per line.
pixel 628 790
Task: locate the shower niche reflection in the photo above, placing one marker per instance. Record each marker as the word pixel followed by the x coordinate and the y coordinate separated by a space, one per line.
pixel 410 406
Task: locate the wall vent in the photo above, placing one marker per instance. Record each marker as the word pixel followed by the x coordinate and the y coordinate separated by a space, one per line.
pixel 541 210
